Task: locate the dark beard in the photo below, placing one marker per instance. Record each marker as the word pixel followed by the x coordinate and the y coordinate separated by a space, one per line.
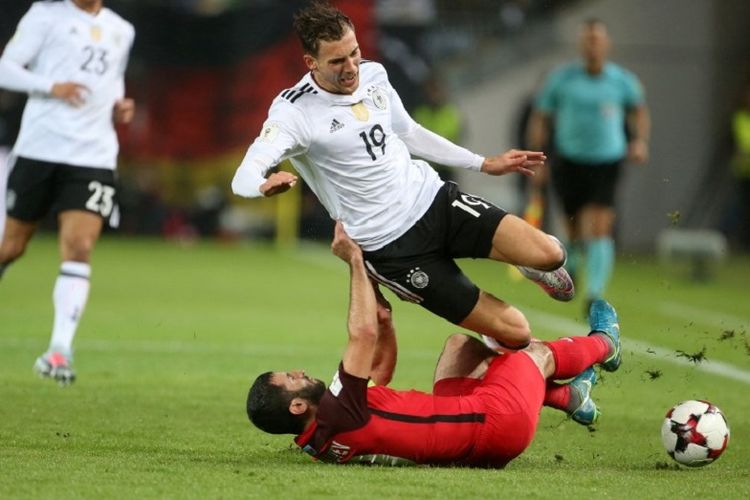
pixel 312 393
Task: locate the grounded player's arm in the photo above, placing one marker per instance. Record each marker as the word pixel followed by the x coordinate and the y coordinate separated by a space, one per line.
pixel 386 348
pixel 639 124
pixel 362 323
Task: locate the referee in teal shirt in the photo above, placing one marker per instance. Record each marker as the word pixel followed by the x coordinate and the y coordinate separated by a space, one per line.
pixel 600 119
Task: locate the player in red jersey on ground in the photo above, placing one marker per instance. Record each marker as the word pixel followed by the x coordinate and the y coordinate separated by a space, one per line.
pixel 484 407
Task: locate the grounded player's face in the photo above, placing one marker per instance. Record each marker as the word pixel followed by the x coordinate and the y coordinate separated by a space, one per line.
pixel 336 67
pixel 594 43
pixel 301 385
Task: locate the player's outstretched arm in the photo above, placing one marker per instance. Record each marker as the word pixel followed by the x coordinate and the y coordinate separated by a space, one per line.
pixel 363 307
pixel 514 160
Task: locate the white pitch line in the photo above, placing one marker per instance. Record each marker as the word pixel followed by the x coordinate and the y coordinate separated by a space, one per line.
pixel 558 324
pixel 703 316
pixel 256 350
pixel 568 327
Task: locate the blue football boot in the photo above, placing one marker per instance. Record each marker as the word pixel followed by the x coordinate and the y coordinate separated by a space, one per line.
pixel 587 413
pixel 603 319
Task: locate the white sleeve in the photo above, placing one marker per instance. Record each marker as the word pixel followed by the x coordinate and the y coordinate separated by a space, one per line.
pixel 432 147
pixel 284 134
pixel 427 144
pixel 21 50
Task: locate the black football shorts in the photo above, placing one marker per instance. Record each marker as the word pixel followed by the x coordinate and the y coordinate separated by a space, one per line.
pixel 579 184
pixel 419 267
pixel 37 187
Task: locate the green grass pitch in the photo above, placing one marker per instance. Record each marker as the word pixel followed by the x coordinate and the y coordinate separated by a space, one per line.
pixel 174 334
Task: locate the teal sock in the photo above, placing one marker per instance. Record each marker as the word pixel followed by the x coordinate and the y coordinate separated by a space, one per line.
pixel 599 263
pixel 575 256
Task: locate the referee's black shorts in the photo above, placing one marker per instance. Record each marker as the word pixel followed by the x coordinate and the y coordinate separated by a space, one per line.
pixel 419 267
pixel 579 184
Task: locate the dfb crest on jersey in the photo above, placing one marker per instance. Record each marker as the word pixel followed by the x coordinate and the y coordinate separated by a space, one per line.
pixel 418 278
pixel 379 99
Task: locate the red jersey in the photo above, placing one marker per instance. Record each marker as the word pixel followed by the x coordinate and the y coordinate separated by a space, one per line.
pixel 488 425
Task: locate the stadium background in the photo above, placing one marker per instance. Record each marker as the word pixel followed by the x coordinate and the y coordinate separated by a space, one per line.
pixel 174 332
pixel 203 73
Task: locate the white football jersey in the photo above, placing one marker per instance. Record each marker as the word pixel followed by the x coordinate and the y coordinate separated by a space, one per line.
pixel 58 42
pixel 351 151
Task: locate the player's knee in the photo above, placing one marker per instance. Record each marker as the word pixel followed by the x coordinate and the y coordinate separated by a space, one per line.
pixel 514 331
pixel 520 339
pixel 554 254
pixel 78 249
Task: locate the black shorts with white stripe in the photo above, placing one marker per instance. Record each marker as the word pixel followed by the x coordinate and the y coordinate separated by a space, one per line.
pixel 419 267
pixel 36 187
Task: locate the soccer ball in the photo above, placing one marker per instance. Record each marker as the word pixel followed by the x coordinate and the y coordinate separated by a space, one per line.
pixel 695 433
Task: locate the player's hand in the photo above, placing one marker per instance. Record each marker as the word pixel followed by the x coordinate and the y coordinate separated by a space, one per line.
pixel 515 160
pixel 277 183
pixel 343 246
pixel 123 110
pixel 70 92
pixel 638 151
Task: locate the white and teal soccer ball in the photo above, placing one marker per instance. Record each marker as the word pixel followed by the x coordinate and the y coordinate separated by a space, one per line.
pixel 695 433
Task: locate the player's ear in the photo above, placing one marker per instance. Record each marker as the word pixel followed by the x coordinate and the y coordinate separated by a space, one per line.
pixel 310 62
pixel 298 406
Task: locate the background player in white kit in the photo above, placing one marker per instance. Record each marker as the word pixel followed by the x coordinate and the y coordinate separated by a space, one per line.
pixel 345 130
pixel 70 57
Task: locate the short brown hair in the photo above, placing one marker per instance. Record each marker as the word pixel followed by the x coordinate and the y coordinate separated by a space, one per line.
pixel 268 407
pixel 320 21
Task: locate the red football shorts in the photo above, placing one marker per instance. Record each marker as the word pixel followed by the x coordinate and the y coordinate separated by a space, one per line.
pixel 512 395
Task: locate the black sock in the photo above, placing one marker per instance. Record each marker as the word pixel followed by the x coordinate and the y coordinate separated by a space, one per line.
pixel 3 267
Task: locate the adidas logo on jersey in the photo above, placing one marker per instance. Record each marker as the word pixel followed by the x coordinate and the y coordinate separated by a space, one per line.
pixel 336 125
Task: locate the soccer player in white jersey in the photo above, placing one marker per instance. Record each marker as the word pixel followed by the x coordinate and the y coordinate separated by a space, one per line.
pixel 70 57
pixel 346 132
